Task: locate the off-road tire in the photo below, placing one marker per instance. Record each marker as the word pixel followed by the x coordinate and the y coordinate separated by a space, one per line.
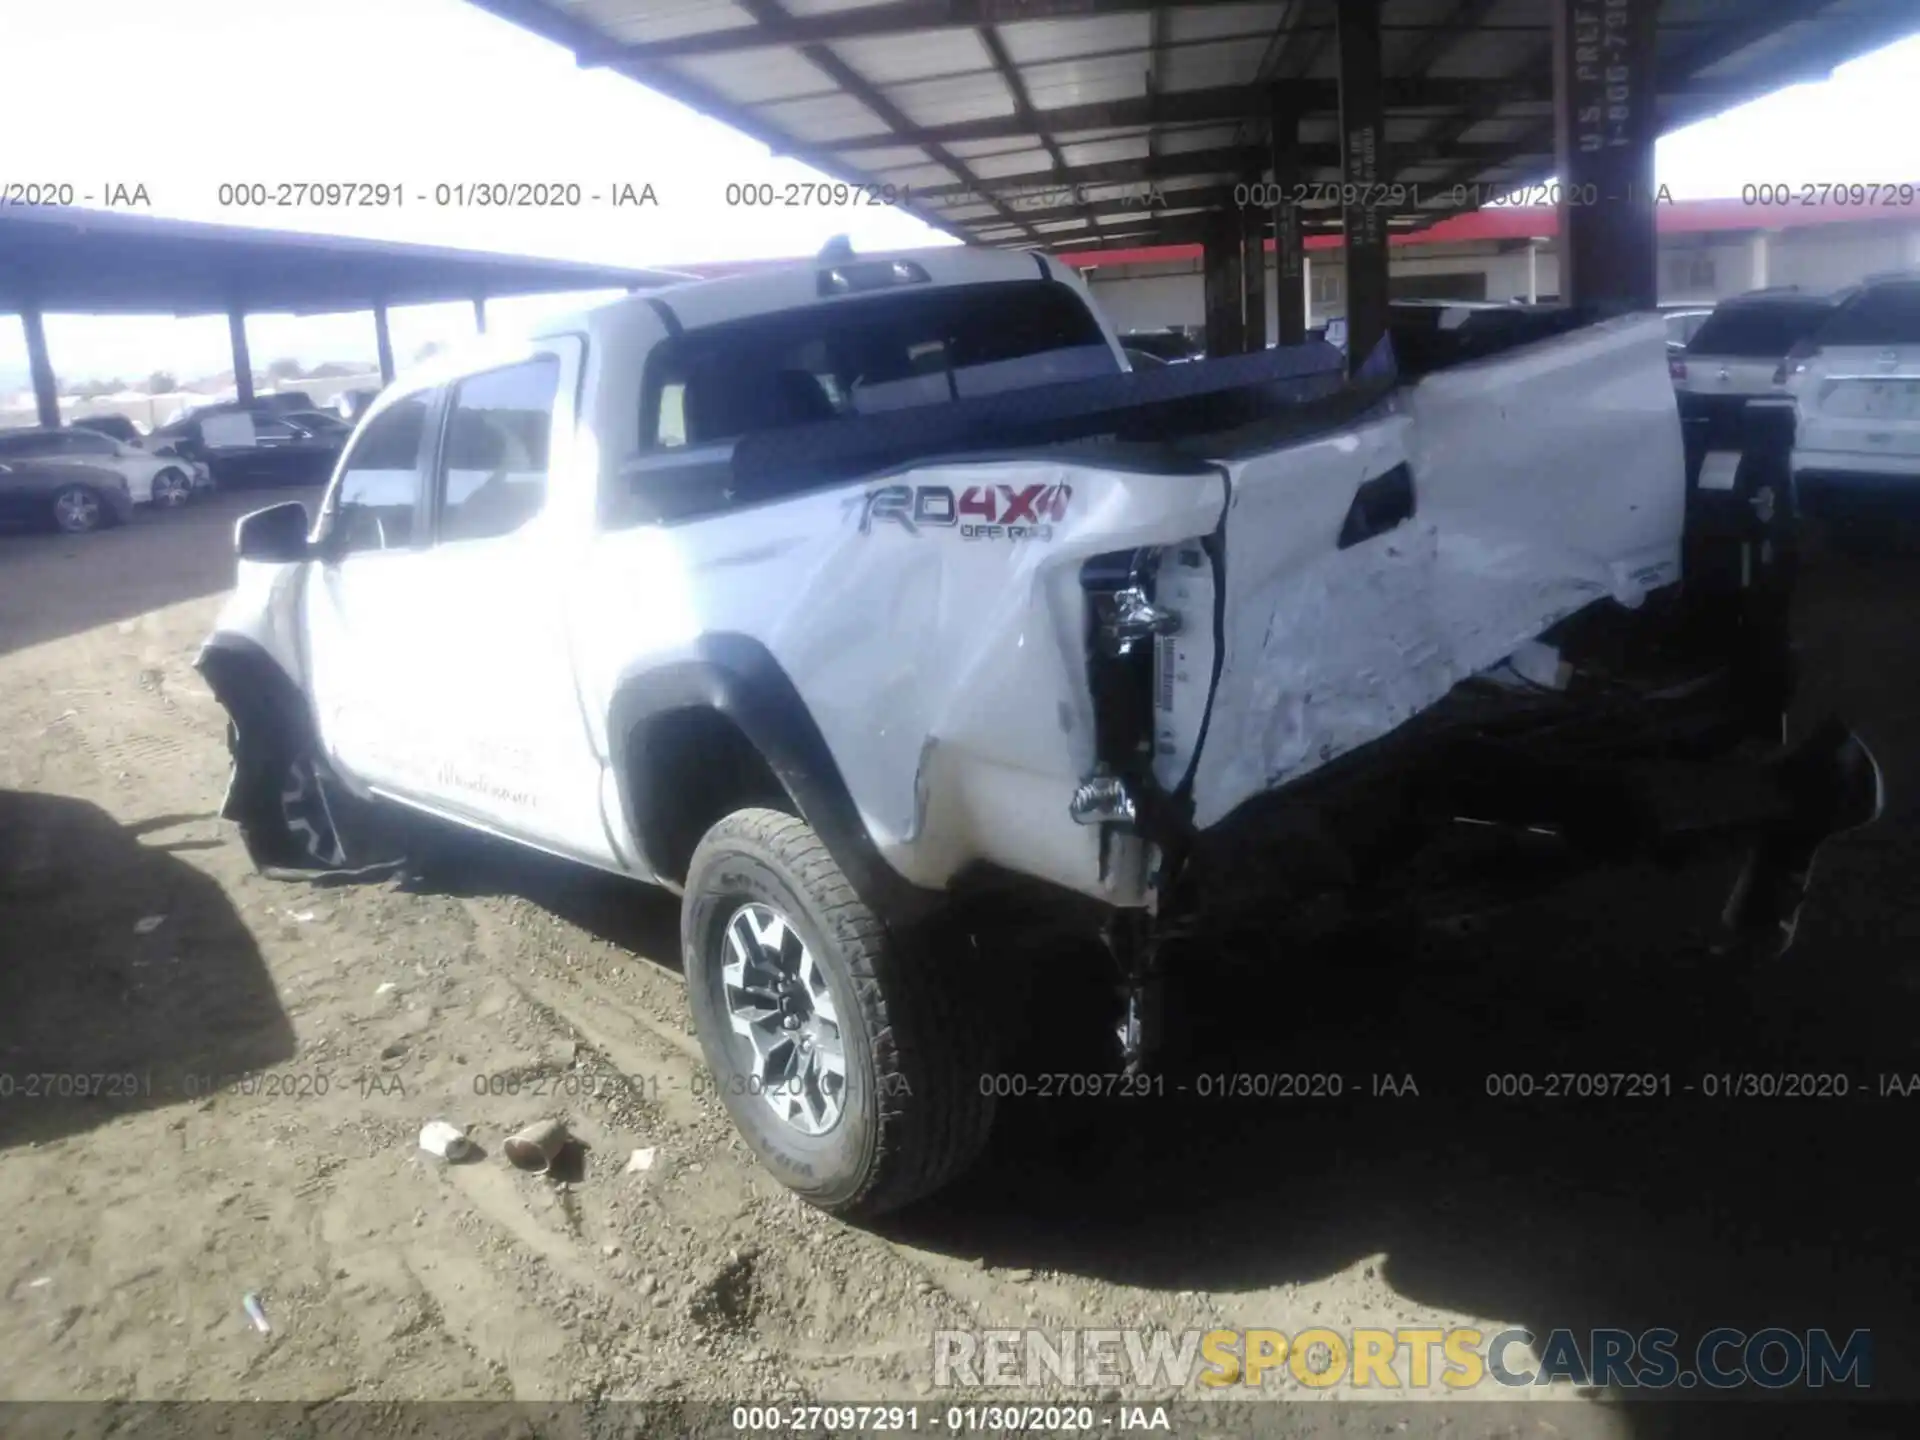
pixel 913 1024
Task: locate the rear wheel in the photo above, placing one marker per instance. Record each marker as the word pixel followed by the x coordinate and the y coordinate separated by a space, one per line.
pixel 77 510
pixel 853 1068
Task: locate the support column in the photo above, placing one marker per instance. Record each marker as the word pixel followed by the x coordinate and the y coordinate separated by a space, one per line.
pixel 46 390
pixel 1533 272
pixel 1289 251
pixel 480 313
pixel 1605 123
pixel 1758 258
pixel 384 343
pixel 242 358
pixel 1221 281
pixel 1362 140
pixel 1253 275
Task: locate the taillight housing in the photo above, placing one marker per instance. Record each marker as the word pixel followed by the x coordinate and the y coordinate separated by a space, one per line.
pixel 1795 361
pixel 1677 367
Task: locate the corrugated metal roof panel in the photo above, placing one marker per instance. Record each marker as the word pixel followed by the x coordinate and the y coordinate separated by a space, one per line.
pixel 920 177
pixel 883 158
pixel 999 145
pixel 1099 152
pixel 829 117
pixel 896 59
pixel 944 74
pixel 1094 135
pixel 980 211
pixel 1204 22
pixel 1494 52
pixel 829 7
pixel 754 77
pixel 949 102
pixel 1086 82
pixel 1204 137
pixel 1018 162
pixel 640 22
pixel 1035 42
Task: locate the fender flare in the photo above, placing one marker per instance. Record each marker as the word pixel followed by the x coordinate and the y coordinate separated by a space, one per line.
pixel 736 676
pixel 260 698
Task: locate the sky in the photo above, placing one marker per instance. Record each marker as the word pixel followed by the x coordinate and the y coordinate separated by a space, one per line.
pixel 191 94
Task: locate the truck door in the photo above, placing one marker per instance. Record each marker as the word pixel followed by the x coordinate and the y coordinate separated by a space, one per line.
pixel 514 752
pixel 363 602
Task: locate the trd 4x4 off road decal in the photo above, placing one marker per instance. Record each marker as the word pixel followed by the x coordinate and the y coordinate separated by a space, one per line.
pixel 982 512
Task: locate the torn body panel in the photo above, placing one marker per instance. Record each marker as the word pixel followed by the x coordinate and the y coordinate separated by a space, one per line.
pixel 1542 482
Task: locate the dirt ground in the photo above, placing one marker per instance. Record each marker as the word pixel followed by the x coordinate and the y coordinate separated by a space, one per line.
pixel 284 1043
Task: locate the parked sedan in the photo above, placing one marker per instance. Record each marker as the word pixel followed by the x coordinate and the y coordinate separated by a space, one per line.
pixel 118 426
pixel 151 478
pixel 73 496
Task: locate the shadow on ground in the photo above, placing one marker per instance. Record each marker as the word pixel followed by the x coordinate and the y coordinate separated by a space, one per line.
pixel 641 919
pixel 103 1012
pixel 130 568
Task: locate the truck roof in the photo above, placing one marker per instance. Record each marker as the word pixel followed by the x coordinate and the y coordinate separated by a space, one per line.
pixel 696 303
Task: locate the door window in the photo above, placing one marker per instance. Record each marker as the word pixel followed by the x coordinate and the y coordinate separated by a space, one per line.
pixel 493 469
pixel 379 489
pixel 82 442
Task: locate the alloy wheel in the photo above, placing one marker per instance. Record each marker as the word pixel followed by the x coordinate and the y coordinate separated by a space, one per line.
pixel 778 1002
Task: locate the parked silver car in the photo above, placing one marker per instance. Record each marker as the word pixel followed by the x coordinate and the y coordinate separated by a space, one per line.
pixel 75 497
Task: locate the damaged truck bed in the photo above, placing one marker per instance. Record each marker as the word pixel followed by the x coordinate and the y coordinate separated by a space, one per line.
pixel 838 600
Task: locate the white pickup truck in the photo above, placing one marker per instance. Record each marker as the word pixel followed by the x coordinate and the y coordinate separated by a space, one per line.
pixel 859 600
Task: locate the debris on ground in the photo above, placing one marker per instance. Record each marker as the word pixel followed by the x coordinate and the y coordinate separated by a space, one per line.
pixel 251 1304
pixel 445 1141
pixel 535 1148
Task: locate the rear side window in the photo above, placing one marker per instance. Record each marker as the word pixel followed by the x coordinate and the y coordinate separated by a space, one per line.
pixel 1758 332
pixel 493 472
pixel 379 488
pixel 1879 315
pixel 867 355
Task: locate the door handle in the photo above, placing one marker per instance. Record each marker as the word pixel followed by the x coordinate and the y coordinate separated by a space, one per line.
pixel 1378 505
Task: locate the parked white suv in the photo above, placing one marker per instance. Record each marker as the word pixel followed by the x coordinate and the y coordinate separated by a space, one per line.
pixel 1856 390
pixel 877 609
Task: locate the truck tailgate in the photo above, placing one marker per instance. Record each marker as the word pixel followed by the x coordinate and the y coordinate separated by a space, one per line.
pixel 1500 497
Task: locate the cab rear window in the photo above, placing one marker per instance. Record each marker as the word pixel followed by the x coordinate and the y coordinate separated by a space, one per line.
pixel 866 355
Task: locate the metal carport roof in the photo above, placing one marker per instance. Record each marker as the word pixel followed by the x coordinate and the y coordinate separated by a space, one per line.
pixel 111 262
pixel 968 101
